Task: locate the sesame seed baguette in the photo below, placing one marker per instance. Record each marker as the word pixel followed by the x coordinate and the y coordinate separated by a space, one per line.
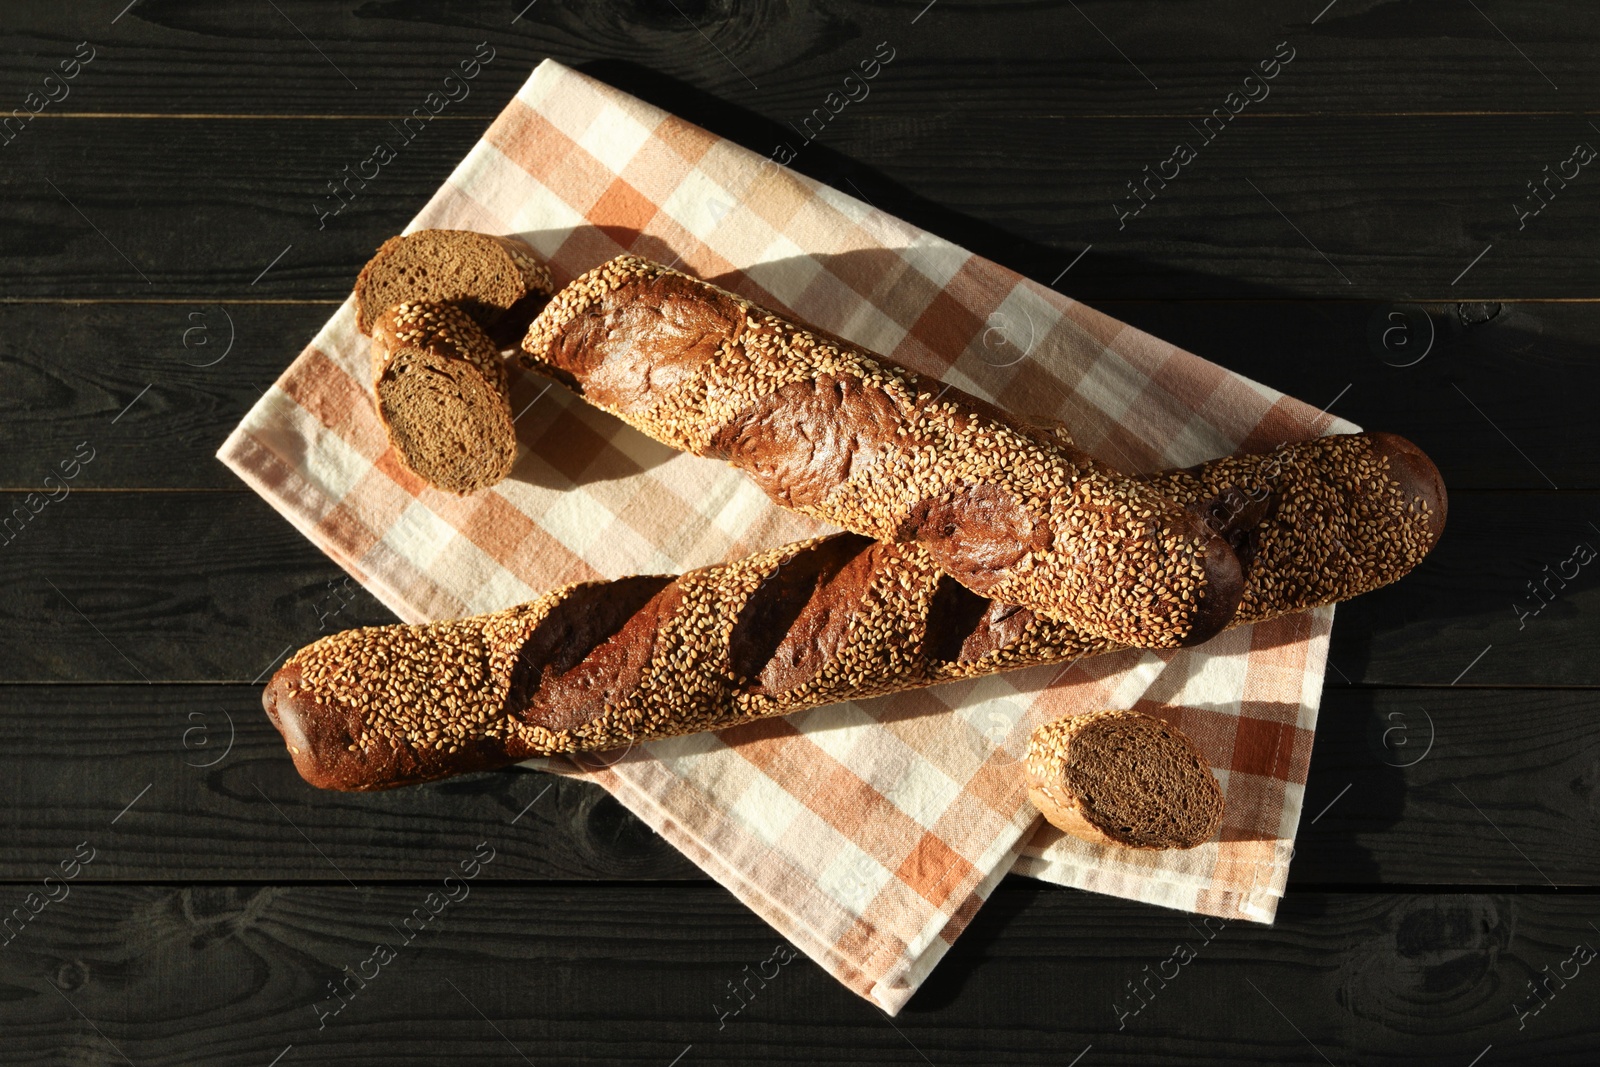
pixel 833 431
pixel 443 396
pixel 602 665
pixel 498 280
pixel 1317 522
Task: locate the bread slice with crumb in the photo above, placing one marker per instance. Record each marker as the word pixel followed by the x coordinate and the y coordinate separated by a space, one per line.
pixel 1123 778
pixel 499 281
pixel 443 396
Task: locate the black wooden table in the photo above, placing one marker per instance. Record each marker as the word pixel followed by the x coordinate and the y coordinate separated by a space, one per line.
pixel 1402 224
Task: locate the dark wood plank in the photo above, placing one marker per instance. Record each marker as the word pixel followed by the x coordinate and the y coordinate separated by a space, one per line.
pixel 211 794
pixel 91 211
pixel 169 587
pixel 151 390
pixel 216 587
pixel 235 976
pixel 1394 777
pixel 1529 369
pixel 1440 786
pixel 1096 57
pixel 1489 390
pixel 1378 208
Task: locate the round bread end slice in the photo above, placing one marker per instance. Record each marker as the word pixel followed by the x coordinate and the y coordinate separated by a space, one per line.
pixel 1123 778
pixel 443 397
pixel 489 277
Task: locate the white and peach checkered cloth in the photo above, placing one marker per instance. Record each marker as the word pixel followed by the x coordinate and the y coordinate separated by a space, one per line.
pixel 867 834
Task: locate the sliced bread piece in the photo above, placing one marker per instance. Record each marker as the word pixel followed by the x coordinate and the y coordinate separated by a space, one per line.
pixel 1123 778
pixel 443 396
pixel 499 281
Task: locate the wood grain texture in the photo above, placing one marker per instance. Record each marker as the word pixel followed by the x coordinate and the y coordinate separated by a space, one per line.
pixel 182 209
pixel 1379 207
pixel 1493 392
pixel 545 975
pixel 1391 153
pixel 780 60
pixel 187 587
pixel 214 796
pixel 1394 777
pixel 1466 613
pixel 1452 377
pixel 181 378
pixel 1497 786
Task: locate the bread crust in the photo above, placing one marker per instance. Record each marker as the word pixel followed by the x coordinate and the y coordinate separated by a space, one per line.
pixel 605 665
pixel 487 276
pixel 1320 521
pixel 443 396
pixel 833 431
pixel 1124 779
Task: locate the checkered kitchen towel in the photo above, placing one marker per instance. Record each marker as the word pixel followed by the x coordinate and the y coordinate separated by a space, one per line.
pixel 867 834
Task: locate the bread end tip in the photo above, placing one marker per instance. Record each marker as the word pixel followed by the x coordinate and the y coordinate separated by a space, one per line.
pixel 1417 476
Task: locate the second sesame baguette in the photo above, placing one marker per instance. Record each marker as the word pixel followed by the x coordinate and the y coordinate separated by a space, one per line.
pixel 836 432
pixel 602 665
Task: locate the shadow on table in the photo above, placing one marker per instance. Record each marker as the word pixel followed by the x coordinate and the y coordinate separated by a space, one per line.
pixel 961 963
pixel 1032 258
pixel 1355 790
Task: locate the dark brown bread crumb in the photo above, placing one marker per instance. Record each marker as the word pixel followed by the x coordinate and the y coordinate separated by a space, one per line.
pixel 1009 509
pixel 1123 778
pixel 443 396
pixel 602 665
pixel 485 276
